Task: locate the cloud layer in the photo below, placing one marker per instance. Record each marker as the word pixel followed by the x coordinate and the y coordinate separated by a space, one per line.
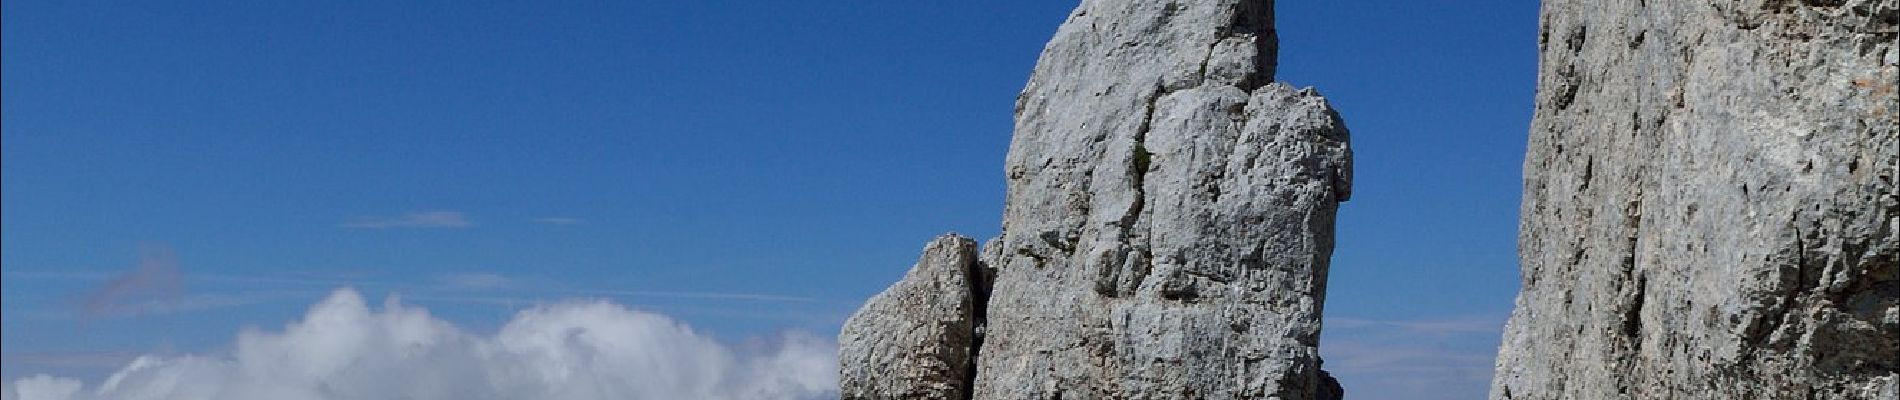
pixel 343 349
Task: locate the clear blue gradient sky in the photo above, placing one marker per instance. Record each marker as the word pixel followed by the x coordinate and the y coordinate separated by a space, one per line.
pixel 747 167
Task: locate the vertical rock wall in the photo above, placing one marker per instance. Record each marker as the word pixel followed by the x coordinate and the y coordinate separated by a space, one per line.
pixel 1709 203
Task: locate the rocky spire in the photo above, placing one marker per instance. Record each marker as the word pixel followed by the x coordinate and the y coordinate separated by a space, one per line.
pixel 1709 204
pixel 1167 230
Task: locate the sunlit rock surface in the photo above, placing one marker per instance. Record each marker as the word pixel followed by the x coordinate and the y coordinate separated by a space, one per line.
pixel 1709 204
pixel 1168 226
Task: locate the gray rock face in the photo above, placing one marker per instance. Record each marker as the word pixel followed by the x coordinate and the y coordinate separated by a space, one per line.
pixel 914 340
pixel 1169 220
pixel 1709 207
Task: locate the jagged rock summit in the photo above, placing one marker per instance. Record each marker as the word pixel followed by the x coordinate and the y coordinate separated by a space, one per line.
pixel 1709 204
pixel 1167 231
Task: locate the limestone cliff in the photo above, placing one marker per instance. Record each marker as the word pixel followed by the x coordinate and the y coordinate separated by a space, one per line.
pixel 1168 225
pixel 1709 203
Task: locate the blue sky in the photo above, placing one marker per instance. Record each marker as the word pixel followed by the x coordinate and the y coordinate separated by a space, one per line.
pixel 746 167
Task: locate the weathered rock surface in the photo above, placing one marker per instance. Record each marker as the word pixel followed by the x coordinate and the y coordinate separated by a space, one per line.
pixel 914 340
pixel 1169 220
pixel 1709 207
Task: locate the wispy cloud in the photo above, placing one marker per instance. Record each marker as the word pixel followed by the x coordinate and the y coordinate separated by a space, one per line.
pixel 489 288
pixel 69 359
pixel 1436 357
pixel 559 221
pixel 517 290
pixel 1396 369
pixel 1390 358
pixel 289 279
pixel 156 286
pixel 196 302
pixel 419 219
pixel 693 295
pixel 1442 326
pixel 474 281
pixel 155 280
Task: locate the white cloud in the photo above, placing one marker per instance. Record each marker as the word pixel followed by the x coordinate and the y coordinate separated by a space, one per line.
pixel 420 219
pixel 343 349
pixel 40 387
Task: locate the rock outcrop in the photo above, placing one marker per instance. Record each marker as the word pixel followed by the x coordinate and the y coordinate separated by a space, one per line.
pixel 1167 230
pixel 1709 204
pixel 915 340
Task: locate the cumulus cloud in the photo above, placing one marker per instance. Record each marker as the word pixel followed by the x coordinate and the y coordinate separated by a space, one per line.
pixel 344 349
pixel 420 219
